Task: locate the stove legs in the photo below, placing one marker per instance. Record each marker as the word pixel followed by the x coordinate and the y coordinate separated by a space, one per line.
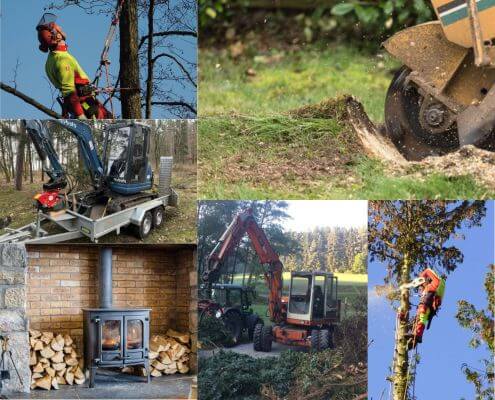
pixel 148 371
pixel 92 373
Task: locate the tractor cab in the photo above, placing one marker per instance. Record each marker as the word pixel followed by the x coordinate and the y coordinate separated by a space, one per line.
pixel 232 296
pixel 126 158
pixel 313 298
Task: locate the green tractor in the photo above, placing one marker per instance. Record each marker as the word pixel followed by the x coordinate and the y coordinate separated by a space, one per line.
pixel 231 304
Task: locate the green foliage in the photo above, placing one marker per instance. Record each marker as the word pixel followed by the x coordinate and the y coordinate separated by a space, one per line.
pixel 481 323
pixel 359 265
pixel 229 375
pixel 213 332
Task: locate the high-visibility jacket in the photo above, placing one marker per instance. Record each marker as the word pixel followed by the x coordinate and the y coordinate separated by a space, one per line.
pixel 436 284
pixel 64 72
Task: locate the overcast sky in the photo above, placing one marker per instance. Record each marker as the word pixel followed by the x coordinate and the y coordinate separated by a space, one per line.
pixel 309 214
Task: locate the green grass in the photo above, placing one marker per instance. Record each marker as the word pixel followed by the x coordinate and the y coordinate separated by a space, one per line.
pixel 299 78
pixel 293 158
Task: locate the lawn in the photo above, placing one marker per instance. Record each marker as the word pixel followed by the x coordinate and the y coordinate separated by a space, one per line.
pixel 251 146
pixel 179 225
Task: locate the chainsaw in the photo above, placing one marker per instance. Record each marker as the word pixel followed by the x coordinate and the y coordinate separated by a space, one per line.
pixel 413 284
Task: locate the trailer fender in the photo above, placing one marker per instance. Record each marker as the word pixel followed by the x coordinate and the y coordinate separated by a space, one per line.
pixel 427 52
pixel 138 214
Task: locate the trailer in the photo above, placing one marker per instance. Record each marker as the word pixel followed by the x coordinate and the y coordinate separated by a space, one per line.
pixel 97 223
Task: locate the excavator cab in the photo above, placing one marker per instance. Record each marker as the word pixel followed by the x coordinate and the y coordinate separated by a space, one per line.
pixel 313 298
pixel 126 156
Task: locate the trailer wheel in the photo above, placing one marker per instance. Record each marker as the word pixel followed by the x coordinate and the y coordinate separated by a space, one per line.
pixel 158 216
pixel 146 225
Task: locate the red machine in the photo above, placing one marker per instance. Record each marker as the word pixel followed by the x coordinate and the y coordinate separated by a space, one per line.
pixel 305 317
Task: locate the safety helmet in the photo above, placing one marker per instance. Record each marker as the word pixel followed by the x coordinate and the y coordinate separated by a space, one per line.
pixel 50 34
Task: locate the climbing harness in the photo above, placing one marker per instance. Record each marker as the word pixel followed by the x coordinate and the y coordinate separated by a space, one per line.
pixel 104 60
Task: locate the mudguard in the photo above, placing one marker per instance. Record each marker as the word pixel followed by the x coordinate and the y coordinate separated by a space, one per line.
pixel 426 51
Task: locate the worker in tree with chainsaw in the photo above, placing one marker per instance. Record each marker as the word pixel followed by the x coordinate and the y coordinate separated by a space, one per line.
pixel 433 289
pixel 65 73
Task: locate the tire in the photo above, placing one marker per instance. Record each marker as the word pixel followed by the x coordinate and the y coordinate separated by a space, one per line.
pixel 315 340
pixel 257 334
pixel 325 340
pixel 146 225
pixel 402 119
pixel 158 216
pixel 233 323
pixel 266 338
pixel 252 326
pixel 262 338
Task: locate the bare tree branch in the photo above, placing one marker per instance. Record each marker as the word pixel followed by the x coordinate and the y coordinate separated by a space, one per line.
pixel 174 103
pixel 150 60
pixel 29 100
pixel 178 63
pixel 168 33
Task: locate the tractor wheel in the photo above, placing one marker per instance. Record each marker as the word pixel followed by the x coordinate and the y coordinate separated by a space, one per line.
pixel 146 224
pixel 158 216
pixel 325 341
pixel 257 332
pixel 252 326
pixel 233 323
pixel 315 340
pixel 417 126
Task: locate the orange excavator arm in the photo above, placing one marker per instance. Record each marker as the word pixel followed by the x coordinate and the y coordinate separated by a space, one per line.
pixel 245 223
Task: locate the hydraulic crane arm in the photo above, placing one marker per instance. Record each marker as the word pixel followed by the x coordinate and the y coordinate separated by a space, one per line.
pixel 39 133
pixel 246 223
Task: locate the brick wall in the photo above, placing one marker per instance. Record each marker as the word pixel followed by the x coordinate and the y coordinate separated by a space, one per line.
pixel 63 282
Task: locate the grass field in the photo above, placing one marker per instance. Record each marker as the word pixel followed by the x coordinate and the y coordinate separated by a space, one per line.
pixel 252 148
pixel 179 225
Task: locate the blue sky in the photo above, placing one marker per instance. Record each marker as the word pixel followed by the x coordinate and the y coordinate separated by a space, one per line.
pixel 445 345
pixel 86 34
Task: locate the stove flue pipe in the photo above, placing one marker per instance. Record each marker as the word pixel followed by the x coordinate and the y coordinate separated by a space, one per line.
pixel 105 277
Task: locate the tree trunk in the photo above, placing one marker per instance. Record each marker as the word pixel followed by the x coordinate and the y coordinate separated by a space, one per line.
pixel 149 80
pixel 129 62
pixel 30 155
pixel 19 162
pixel 401 357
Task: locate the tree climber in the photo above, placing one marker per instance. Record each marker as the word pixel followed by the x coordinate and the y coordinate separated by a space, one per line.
pixel 65 73
pixel 433 289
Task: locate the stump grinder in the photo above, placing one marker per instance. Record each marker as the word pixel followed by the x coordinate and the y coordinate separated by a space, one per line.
pixel 444 95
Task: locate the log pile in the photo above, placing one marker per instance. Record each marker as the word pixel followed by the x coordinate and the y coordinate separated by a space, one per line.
pixel 169 354
pixel 54 361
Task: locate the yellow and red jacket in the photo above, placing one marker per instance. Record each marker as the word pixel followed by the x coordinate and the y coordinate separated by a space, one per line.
pixel 64 71
pixel 434 283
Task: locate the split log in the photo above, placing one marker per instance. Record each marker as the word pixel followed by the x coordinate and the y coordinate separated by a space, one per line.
pixel 44 382
pixel 184 338
pixel 155 372
pixel 54 383
pixel 50 371
pixel 58 357
pixel 47 352
pixel 69 377
pixel 57 343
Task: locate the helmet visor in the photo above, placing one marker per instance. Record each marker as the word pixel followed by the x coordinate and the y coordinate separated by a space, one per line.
pixel 46 19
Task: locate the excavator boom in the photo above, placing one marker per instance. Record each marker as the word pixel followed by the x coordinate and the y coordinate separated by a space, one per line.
pixel 245 223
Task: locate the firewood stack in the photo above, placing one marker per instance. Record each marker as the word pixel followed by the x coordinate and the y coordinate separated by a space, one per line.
pixel 54 361
pixel 169 353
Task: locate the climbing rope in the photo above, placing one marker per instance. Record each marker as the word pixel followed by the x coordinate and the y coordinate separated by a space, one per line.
pixel 104 60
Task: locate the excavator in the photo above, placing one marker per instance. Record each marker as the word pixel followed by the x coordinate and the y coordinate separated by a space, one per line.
pixel 443 97
pixel 119 180
pixel 306 317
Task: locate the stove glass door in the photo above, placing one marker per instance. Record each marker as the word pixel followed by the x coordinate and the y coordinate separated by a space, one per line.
pixel 111 335
pixel 134 334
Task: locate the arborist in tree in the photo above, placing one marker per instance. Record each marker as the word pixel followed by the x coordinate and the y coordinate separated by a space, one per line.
pixel 433 289
pixel 65 73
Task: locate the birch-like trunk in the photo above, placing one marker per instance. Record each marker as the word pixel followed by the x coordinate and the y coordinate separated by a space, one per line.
pixel 401 358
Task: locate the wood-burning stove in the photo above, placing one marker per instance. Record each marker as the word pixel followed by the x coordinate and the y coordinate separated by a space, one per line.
pixel 114 337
